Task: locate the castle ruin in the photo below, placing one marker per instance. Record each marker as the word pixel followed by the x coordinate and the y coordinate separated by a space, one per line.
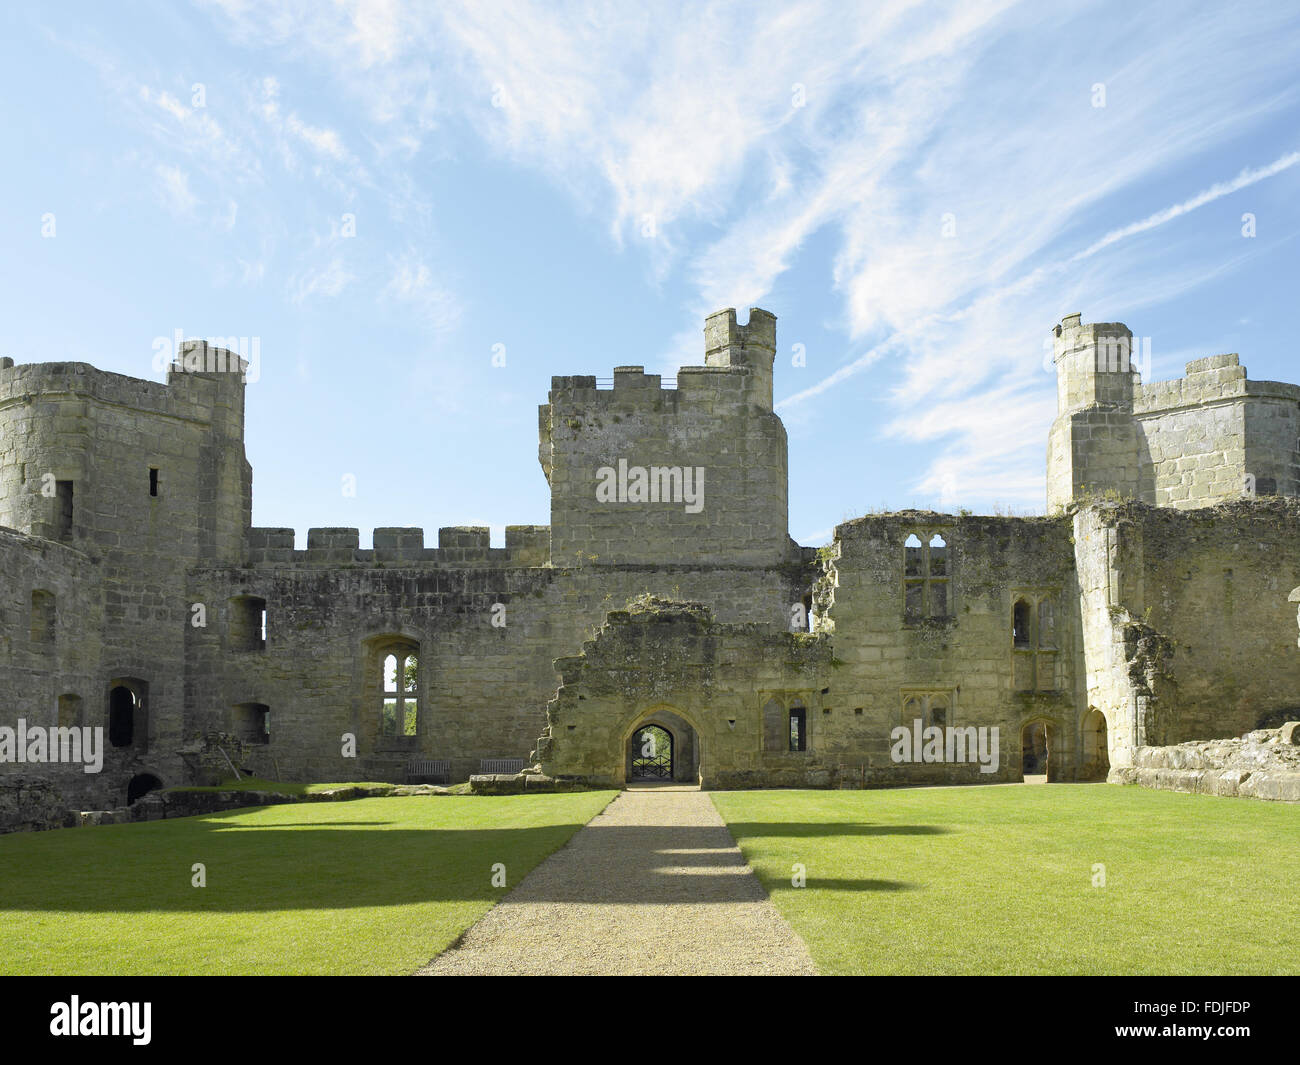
pixel 1150 606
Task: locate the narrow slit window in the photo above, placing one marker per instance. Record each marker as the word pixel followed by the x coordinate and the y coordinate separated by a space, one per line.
pixel 798 729
pixel 63 509
pixel 153 481
pixel 43 618
pixel 1021 626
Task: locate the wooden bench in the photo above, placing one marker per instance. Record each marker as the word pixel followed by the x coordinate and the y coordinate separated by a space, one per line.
pixel 428 771
pixel 500 765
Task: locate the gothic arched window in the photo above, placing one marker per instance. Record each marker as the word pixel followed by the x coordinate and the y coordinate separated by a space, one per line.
pixel 399 707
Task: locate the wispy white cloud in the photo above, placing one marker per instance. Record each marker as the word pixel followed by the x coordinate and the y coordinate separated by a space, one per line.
pixel 1216 191
pixel 951 153
pixel 328 279
pixel 413 283
pixel 174 190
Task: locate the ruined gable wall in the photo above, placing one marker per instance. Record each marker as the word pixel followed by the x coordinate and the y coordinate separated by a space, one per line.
pixel 1216 581
pixel 714 676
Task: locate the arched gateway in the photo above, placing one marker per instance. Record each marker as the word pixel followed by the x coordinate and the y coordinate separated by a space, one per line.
pixel 664 747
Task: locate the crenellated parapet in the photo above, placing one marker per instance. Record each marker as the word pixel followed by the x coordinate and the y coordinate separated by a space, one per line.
pixel 125 466
pixel 186 395
pixel 1208 437
pixel 526 546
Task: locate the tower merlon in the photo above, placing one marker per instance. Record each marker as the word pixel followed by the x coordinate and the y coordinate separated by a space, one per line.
pixel 1110 344
pixel 201 357
pixel 726 342
pixel 752 346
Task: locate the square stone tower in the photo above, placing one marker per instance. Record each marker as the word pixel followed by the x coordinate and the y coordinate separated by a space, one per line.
pixel 643 474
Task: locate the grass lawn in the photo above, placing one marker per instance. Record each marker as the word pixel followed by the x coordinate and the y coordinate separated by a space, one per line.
pixel 368 886
pixel 1000 879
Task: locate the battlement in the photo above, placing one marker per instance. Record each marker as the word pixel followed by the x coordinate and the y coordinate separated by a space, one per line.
pixel 632 385
pixel 726 343
pixel 193 394
pixel 737 364
pixel 526 545
pixel 1216 379
pixel 1207 437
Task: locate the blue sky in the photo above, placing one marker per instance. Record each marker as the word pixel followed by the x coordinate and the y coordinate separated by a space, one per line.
pixel 917 191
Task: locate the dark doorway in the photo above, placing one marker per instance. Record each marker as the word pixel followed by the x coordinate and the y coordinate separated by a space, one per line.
pixel 652 753
pixel 1036 750
pixel 121 717
pixel 141 784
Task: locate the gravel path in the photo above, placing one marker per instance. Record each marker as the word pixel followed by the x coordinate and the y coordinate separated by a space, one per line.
pixel 654 885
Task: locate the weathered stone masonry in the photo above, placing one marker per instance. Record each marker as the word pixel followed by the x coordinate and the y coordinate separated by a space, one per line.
pixel 1150 608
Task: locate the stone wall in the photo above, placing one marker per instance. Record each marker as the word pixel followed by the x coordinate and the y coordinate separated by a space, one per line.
pixel 1187 628
pixel 487 637
pixel 1263 764
pixel 968 656
pixel 1165 622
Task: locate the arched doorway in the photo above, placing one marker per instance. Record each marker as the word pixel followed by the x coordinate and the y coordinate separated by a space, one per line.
pixel 121 716
pixel 1096 751
pixel 140 786
pixel 651 753
pixel 1037 740
pixel 673 756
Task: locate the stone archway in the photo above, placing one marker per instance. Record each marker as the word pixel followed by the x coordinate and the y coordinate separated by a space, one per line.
pixel 1095 747
pixel 1038 750
pixel 684 753
pixel 140 786
pixel 128 713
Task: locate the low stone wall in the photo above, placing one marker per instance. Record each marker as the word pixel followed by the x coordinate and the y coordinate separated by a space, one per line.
pixel 32 805
pixel 1264 764
pixel 529 781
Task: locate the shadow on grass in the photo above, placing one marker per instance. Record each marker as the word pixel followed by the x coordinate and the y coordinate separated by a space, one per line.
pixel 342 865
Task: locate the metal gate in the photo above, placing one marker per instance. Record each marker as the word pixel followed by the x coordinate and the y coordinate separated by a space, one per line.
pixel 652 754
